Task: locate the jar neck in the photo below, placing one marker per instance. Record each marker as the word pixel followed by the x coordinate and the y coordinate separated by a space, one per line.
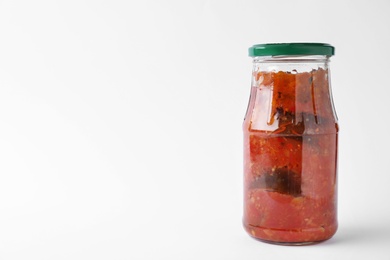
pixel 293 64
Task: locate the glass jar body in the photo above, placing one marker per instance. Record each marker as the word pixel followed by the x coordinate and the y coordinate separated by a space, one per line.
pixel 290 151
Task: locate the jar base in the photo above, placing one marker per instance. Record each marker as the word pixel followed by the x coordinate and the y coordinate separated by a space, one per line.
pixel 288 243
pixel 291 237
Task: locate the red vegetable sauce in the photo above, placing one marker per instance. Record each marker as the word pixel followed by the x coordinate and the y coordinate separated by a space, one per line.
pixel 290 158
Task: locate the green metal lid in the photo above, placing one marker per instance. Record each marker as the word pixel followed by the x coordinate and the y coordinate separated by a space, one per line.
pixel 278 49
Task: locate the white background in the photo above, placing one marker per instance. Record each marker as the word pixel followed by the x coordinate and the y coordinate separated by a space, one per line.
pixel 120 126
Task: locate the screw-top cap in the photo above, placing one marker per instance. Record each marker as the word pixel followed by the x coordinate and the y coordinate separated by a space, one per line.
pixel 283 49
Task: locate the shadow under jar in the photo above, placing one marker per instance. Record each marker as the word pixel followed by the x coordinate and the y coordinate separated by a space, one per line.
pixel 290 145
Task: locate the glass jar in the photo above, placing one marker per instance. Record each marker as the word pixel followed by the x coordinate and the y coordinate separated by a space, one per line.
pixel 290 145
